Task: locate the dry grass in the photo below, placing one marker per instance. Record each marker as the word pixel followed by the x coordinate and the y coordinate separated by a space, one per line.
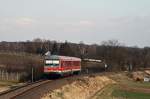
pixel 4 88
pixel 82 88
pixel 6 85
pixel 106 86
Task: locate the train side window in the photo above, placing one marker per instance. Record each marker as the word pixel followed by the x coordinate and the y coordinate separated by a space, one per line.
pixel 68 63
pixel 76 63
pixel 63 63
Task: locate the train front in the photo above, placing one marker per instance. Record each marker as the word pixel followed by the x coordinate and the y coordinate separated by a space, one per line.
pixel 52 65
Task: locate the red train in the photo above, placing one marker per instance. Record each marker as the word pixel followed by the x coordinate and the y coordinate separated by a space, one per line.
pixel 62 65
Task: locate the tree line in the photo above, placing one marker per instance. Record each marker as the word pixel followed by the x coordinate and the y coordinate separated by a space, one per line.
pixel 116 55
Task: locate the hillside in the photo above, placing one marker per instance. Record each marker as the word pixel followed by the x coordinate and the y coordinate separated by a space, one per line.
pixel 103 86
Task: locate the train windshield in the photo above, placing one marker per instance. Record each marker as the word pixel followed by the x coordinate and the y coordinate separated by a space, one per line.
pixel 52 63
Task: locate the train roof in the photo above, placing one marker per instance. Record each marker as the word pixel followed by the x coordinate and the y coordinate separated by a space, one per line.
pixel 63 57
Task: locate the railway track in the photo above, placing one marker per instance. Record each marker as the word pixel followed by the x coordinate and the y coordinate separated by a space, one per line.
pixel 13 93
pixel 38 89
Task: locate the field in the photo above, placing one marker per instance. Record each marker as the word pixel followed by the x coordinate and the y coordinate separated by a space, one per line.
pixel 103 86
pixel 125 88
pixel 114 92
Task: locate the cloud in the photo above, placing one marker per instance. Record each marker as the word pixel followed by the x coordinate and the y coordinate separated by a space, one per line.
pixel 24 21
pixel 17 21
pixel 79 26
pixel 86 23
pixel 124 24
pixel 103 28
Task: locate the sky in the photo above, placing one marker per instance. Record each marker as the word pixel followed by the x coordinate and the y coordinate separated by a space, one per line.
pixel 90 21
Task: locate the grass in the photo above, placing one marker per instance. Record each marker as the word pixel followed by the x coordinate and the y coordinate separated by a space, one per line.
pixel 125 80
pixel 138 84
pixel 60 95
pixel 115 91
pixel 8 83
pixel 129 94
pixel 105 93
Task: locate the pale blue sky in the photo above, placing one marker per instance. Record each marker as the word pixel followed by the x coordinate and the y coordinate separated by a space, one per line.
pixel 91 21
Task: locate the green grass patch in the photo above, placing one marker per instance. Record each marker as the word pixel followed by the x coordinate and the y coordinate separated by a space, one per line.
pixel 118 93
pixel 105 93
pixel 132 83
pixel 115 91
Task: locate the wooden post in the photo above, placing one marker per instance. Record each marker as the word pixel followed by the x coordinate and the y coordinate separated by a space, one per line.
pixel 32 74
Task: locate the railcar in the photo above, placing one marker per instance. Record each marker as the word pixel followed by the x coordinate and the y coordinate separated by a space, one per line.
pixel 62 65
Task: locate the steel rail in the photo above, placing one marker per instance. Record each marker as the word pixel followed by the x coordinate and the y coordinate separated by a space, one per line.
pixel 12 93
